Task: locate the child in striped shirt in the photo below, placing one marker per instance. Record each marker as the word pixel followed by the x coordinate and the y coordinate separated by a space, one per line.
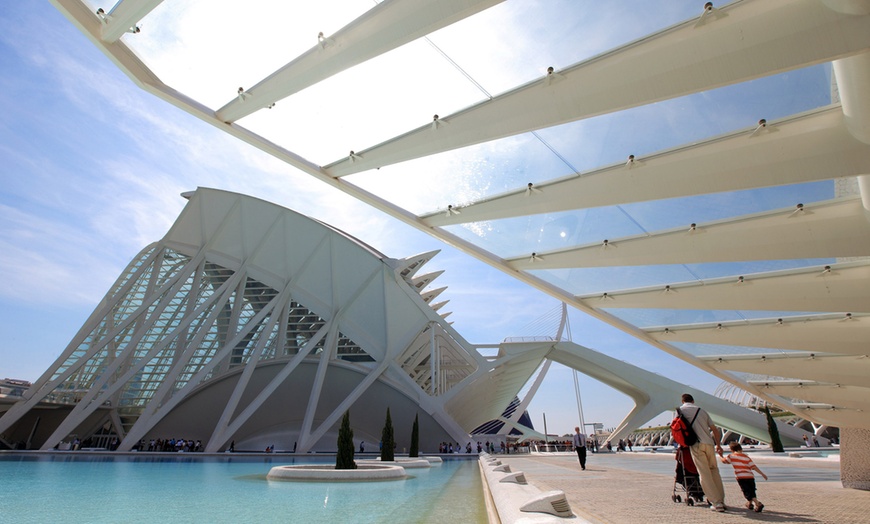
pixel 743 467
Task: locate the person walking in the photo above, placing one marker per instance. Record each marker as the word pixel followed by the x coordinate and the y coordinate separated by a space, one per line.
pixel 743 467
pixel 703 453
pixel 580 447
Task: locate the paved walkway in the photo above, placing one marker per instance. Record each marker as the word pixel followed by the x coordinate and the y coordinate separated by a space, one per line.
pixel 637 487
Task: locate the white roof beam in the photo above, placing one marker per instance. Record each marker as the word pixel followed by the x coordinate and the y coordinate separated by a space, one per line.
pixel 804 148
pixel 840 395
pixel 124 17
pixel 835 416
pixel 757 38
pixel 823 333
pixel 126 60
pixel 836 228
pixel 83 17
pixel 849 369
pixel 836 287
pixel 386 26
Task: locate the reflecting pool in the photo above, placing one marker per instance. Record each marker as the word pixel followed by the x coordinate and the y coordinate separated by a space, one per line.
pixel 169 488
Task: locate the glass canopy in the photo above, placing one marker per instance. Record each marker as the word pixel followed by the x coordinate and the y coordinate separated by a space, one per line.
pixel 679 171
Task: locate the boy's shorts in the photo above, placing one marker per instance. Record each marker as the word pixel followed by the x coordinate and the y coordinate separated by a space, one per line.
pixel 748 487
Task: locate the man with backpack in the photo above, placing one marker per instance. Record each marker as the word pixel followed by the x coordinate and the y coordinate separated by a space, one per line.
pixel 704 451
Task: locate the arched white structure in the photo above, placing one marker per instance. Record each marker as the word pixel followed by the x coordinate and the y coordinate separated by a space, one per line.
pixel 248 321
pixel 252 324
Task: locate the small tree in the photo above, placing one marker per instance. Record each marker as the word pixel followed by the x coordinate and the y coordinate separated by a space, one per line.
pixel 344 457
pixel 415 439
pixel 775 441
pixel 387 440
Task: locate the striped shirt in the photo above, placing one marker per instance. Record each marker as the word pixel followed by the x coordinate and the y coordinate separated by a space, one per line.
pixel 742 465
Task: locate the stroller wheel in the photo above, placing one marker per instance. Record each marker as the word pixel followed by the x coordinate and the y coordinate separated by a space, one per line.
pixel 690 502
pixel 677 498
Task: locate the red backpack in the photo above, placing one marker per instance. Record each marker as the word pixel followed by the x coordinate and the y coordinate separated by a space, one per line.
pixel 682 430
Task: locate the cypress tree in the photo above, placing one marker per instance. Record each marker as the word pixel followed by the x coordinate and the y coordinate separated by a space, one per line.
pixel 387 440
pixel 415 439
pixel 344 457
pixel 775 441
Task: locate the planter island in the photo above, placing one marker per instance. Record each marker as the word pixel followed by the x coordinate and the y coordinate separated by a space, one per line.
pixel 363 472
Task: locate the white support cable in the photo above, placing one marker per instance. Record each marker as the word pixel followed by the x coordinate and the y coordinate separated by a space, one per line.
pixel 579 402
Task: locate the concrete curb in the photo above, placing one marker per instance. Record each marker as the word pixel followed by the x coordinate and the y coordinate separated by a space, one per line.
pixel 516 501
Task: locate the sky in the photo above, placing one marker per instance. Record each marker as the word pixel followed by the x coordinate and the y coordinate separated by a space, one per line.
pixel 92 170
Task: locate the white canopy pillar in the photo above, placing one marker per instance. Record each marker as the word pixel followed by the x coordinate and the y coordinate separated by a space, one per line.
pixel 853 83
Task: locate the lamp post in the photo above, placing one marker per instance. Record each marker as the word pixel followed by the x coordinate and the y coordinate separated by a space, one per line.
pixel 546 436
pixel 594 438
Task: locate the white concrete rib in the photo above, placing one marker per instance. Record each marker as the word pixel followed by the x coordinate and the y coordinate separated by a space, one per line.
pixel 388 25
pixel 805 148
pixel 836 228
pixel 757 38
pixel 124 17
pixel 843 287
pixel 841 395
pixel 818 334
pixel 838 369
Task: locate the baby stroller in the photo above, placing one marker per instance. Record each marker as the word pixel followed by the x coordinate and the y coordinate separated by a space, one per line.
pixel 687 480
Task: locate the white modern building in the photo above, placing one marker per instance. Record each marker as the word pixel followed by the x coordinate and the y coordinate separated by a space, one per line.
pixel 249 324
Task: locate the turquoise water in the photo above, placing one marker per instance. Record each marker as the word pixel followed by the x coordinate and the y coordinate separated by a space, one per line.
pixel 76 488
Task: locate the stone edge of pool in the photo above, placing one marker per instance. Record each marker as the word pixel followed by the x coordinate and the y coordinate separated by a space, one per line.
pixel 510 499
